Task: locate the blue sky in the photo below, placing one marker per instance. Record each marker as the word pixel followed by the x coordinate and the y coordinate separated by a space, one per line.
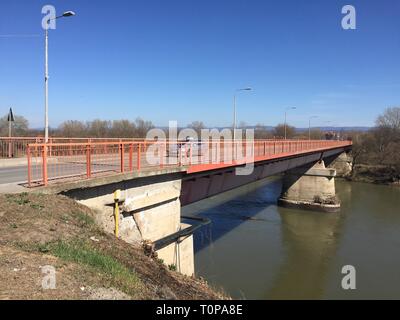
pixel 182 60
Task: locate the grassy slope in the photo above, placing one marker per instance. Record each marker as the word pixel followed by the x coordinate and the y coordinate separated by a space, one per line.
pixel 38 230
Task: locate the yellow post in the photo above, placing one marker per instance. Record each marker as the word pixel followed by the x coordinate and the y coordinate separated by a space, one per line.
pixel 117 196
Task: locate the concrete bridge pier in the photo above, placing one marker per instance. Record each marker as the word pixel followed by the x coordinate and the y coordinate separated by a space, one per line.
pixel 310 187
pixel 343 164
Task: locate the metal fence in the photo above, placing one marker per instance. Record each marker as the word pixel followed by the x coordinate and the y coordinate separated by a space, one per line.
pixel 16 147
pixel 73 161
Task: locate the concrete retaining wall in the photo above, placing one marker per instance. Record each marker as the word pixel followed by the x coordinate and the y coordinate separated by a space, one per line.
pixel 151 210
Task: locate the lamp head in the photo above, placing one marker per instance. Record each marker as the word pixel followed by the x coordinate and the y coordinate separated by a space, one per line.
pixel 68 14
pixel 245 89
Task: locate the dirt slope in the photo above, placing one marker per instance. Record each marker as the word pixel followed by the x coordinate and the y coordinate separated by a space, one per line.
pixel 47 230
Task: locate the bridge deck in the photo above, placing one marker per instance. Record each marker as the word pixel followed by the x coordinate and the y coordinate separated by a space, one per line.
pixel 60 162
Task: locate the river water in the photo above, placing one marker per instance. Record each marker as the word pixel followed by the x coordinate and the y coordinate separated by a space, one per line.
pixel 256 250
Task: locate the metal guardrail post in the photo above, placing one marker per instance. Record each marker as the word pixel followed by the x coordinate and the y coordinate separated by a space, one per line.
pixel 50 148
pixel 179 151
pixel 10 149
pixel 130 157
pixel 28 154
pixel 44 165
pixel 191 153
pixel 139 156
pixel 88 162
pixel 122 155
pixel 161 156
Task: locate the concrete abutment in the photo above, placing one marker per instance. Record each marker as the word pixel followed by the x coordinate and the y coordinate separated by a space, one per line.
pixel 150 210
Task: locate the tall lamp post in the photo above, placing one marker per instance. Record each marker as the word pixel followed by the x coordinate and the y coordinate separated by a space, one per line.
pixel 287 109
pixel 234 110
pixel 46 74
pixel 309 126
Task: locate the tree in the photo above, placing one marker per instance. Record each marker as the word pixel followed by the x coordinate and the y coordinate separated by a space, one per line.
pixel 99 128
pixel 316 134
pixel 381 145
pixel 142 127
pixel 20 126
pixel 72 129
pixel 122 129
pixel 390 119
pixel 197 126
pixel 279 131
pixel 242 125
pixel 358 150
pixel 105 129
pixel 261 132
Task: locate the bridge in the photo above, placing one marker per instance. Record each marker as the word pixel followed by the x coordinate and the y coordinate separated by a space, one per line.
pixel 139 186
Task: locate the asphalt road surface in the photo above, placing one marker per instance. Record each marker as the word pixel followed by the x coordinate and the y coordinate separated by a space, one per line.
pixel 13 174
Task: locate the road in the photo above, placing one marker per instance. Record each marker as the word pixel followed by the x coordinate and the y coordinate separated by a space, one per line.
pixel 13 174
pixel 65 167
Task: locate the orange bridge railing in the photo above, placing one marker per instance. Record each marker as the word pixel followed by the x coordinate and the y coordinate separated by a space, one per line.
pixel 16 147
pixel 64 162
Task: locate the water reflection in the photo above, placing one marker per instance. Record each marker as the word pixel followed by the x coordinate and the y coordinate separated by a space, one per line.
pixel 310 241
pixel 256 250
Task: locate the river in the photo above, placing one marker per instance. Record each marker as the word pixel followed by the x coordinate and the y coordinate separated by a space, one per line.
pixel 256 250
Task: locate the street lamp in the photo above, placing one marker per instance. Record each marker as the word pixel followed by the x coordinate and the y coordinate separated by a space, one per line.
pixel 234 110
pixel 309 126
pixel 287 109
pixel 46 74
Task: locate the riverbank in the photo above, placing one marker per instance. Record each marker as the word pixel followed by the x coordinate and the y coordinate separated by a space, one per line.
pixel 40 233
pixel 377 174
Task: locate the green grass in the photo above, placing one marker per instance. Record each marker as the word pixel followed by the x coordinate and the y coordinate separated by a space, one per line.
pixel 172 267
pixel 84 219
pixel 36 206
pixel 20 199
pixel 83 253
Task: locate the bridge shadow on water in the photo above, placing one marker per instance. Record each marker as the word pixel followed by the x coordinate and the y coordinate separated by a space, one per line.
pixel 227 212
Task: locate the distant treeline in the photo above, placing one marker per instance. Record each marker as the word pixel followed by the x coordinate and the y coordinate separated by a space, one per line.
pixel 104 129
pixel 82 129
pixel 139 128
pixel 380 146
